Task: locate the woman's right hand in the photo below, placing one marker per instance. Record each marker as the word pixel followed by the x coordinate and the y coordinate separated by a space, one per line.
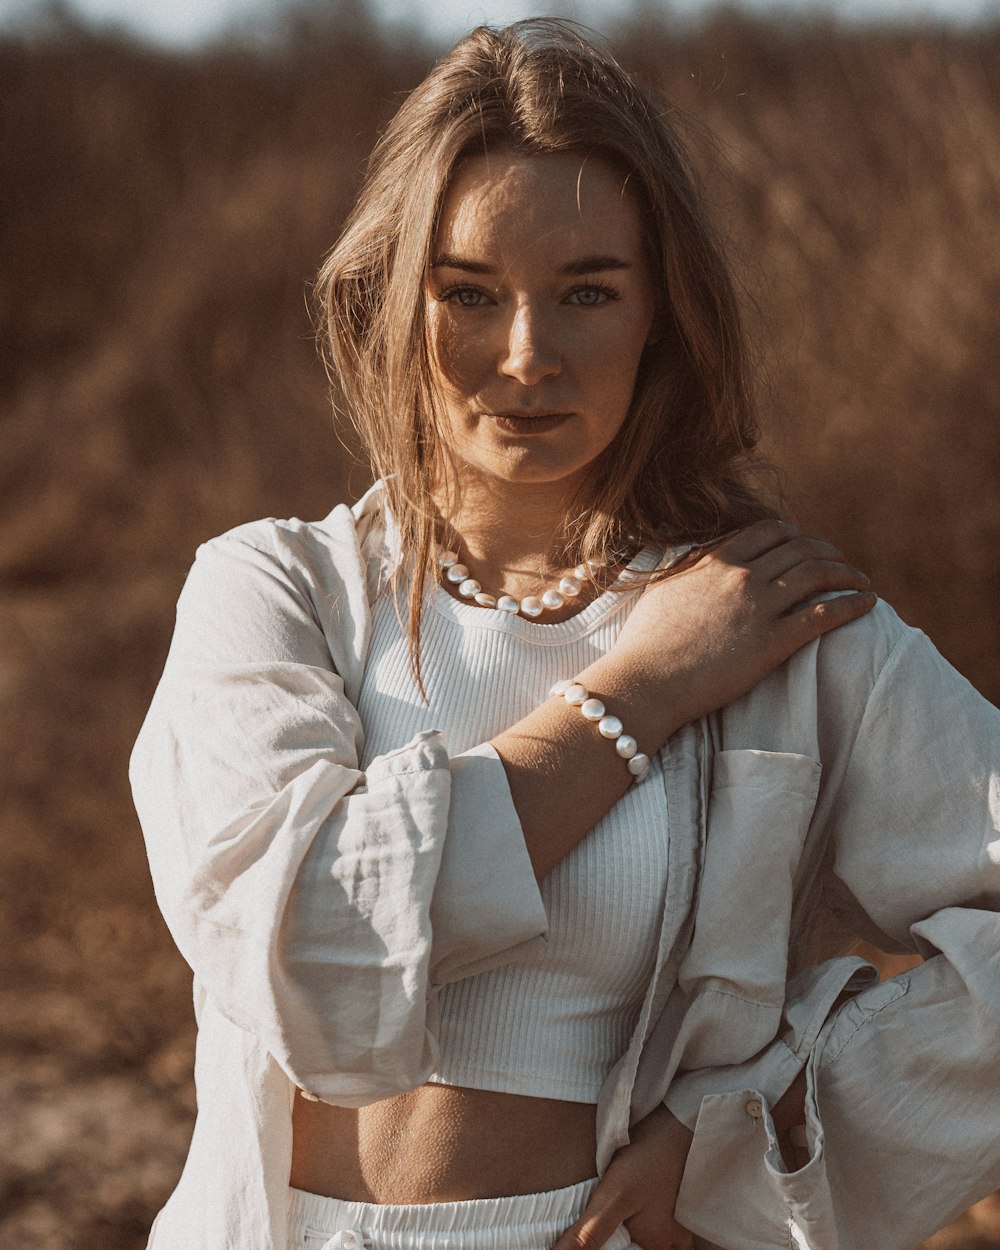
pixel 694 641
pixel 708 633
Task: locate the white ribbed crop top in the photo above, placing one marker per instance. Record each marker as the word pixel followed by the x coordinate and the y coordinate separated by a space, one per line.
pixel 553 1023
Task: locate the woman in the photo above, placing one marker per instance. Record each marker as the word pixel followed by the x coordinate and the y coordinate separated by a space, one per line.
pixel 504 819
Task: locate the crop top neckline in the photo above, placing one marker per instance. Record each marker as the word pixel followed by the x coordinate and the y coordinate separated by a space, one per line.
pixel 469 616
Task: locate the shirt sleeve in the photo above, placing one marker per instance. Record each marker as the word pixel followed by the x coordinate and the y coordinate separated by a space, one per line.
pixel 317 904
pixel 903 1085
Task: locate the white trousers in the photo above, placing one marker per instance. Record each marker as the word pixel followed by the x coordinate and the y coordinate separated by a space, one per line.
pixel 525 1222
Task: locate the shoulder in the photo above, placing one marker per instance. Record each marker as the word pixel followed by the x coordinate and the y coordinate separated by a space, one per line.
pixel 858 653
pixel 815 703
pixel 879 660
pixel 289 542
pixel 285 589
pixel 342 554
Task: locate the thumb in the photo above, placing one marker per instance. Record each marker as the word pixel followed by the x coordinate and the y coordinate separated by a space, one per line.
pixel 600 1218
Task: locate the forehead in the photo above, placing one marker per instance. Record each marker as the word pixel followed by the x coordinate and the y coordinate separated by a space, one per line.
pixel 552 206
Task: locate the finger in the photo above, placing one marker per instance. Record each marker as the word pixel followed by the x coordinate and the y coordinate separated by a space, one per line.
pixel 594 1228
pixel 814 619
pixel 798 550
pixel 756 540
pixel 654 1233
pixel 817 577
pixel 588 1233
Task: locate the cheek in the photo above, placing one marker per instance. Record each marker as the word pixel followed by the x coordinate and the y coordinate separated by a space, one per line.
pixel 614 359
pixel 456 355
pixel 439 348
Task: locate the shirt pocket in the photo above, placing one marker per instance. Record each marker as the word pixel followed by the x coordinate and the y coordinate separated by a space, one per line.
pixel 733 973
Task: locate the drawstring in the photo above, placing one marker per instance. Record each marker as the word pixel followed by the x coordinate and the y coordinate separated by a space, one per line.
pixel 348 1239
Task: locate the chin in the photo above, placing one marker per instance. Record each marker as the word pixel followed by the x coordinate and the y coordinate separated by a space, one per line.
pixel 526 474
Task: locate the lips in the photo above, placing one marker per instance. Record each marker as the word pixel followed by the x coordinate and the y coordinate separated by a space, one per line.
pixel 535 422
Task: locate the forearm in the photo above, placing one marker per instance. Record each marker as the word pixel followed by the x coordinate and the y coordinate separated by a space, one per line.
pixel 563 775
pixel 693 642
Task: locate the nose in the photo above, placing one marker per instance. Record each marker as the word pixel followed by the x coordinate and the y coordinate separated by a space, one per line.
pixel 531 353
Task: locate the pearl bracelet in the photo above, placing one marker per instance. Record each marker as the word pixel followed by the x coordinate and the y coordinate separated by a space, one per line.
pixel 609 727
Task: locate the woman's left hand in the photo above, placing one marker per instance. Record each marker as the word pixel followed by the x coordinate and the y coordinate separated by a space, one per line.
pixel 639 1190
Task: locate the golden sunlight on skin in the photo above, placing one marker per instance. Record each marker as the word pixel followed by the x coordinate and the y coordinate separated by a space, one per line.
pixel 442 1143
pixel 539 305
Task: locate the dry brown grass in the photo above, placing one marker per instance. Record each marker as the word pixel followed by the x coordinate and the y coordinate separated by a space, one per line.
pixel 160 385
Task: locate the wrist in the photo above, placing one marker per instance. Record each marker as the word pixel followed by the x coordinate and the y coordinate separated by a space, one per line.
pixel 607 724
pixel 638 697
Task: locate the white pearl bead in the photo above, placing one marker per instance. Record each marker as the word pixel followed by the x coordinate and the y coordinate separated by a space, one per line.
pixel 506 604
pixel 610 727
pixel 469 588
pixel 570 586
pixel 484 600
pixel 592 709
pixel 457 573
pixel 626 746
pixel 638 765
pixel 447 558
pixel 575 694
pixel 561 687
pixel 531 605
pixel 582 572
pixel 552 599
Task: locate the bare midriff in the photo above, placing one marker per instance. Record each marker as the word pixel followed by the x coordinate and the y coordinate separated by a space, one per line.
pixel 442 1143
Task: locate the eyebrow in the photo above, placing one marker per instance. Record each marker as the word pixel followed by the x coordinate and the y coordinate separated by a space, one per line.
pixel 573 268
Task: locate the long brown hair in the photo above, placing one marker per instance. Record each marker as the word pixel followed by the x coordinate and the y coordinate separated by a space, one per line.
pixel 681 464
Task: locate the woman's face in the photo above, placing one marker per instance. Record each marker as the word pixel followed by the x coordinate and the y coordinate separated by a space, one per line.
pixel 539 302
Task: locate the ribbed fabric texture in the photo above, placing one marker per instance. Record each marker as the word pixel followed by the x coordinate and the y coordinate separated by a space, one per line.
pixel 553 1023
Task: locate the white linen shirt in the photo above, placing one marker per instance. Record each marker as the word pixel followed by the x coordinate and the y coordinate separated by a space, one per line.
pixel 855 791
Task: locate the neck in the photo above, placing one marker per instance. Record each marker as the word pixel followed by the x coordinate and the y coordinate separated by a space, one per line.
pixel 510 545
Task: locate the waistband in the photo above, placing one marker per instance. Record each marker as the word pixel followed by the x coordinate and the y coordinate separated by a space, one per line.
pixel 522 1222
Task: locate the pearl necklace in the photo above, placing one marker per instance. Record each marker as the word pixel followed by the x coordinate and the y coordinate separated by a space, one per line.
pixel 531 605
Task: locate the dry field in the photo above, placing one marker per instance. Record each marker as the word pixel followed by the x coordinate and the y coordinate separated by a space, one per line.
pixel 162 218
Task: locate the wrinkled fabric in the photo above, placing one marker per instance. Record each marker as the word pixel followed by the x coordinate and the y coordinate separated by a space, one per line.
pixel 902 848
pixel 854 792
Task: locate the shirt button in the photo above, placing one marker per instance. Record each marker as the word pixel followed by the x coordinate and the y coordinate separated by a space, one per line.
pixel 754 1108
pixel 308 1096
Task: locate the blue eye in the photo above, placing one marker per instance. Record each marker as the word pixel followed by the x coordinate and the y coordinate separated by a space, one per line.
pixel 464 296
pixel 591 296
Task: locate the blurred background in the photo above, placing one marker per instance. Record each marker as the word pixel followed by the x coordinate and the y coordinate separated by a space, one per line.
pixel 172 175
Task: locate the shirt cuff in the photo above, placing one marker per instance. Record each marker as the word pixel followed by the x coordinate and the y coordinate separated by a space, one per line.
pixel 486 904
pixel 810 998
